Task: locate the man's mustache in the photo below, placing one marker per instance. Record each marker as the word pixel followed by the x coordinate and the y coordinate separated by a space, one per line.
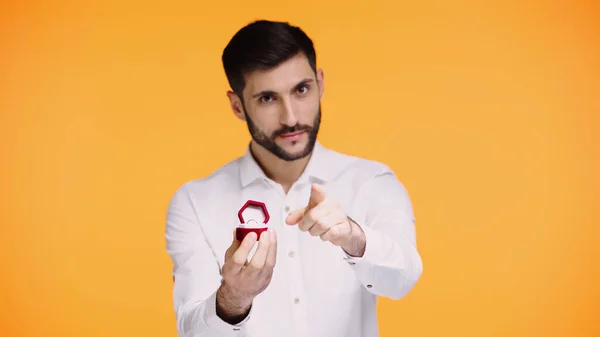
pixel 290 129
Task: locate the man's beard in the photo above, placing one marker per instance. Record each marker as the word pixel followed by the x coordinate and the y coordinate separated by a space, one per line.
pixel 268 142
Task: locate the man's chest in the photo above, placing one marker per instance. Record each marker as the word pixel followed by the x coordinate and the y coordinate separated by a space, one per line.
pixel 219 215
pixel 311 278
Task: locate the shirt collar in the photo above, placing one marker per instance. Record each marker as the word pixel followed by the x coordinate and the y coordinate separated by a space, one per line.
pixel 317 168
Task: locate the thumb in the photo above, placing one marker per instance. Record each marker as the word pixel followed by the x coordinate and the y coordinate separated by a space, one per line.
pixel 295 216
pixel 317 196
pixel 235 244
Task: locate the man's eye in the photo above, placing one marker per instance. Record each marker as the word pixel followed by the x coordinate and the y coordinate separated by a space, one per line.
pixel 303 89
pixel 266 99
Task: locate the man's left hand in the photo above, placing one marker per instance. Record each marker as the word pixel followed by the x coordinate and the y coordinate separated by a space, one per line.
pixel 324 217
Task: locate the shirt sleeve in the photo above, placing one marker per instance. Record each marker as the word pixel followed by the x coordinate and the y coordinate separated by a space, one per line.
pixel 196 273
pixel 391 263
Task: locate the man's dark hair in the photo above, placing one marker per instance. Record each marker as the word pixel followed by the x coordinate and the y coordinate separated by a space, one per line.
pixel 262 45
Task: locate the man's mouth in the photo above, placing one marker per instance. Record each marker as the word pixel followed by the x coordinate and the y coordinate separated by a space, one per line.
pixel 291 134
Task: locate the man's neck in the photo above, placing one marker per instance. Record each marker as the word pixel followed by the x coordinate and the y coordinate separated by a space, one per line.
pixel 282 172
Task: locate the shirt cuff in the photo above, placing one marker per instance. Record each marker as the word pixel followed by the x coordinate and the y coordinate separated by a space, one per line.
pixel 372 243
pixel 215 322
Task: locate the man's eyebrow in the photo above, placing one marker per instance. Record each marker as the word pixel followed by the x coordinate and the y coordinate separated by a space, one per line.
pixel 264 93
pixel 272 93
pixel 304 82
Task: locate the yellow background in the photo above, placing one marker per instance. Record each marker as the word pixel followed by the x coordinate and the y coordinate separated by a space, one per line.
pixel 488 113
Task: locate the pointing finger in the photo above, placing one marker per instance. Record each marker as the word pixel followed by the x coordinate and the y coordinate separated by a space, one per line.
pixel 295 216
pixel 325 208
pixel 317 196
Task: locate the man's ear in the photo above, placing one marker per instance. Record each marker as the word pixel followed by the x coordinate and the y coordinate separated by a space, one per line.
pixel 236 105
pixel 320 82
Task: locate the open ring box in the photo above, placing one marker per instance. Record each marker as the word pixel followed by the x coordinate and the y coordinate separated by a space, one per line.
pixel 251 211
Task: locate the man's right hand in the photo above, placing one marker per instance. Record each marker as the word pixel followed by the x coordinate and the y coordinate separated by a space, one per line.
pixel 243 280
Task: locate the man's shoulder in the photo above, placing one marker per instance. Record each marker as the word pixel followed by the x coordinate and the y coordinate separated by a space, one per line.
pixel 221 179
pixel 355 164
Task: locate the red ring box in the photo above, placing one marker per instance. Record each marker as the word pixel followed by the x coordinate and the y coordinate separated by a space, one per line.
pixel 241 232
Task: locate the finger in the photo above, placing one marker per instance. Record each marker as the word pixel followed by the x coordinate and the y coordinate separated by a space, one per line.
pixel 336 233
pixel 320 226
pixel 240 256
pixel 331 234
pixel 295 216
pixel 317 195
pixel 271 255
pixel 258 260
pixel 234 246
pixel 327 207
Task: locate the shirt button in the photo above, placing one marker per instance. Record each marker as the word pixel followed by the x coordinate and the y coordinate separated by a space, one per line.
pixel 296 300
pixel 291 253
pixel 287 209
pixel 369 286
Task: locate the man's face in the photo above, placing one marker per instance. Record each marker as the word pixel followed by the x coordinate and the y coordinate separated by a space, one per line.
pixel 282 108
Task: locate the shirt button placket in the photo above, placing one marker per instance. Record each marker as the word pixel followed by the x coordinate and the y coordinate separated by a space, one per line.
pixel 295 269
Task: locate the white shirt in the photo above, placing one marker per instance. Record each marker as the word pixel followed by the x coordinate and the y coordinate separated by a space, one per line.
pixel 316 289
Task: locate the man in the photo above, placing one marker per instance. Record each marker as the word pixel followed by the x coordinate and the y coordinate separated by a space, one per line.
pixel 341 229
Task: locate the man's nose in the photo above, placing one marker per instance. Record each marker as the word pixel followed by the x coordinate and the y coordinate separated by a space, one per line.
pixel 288 114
